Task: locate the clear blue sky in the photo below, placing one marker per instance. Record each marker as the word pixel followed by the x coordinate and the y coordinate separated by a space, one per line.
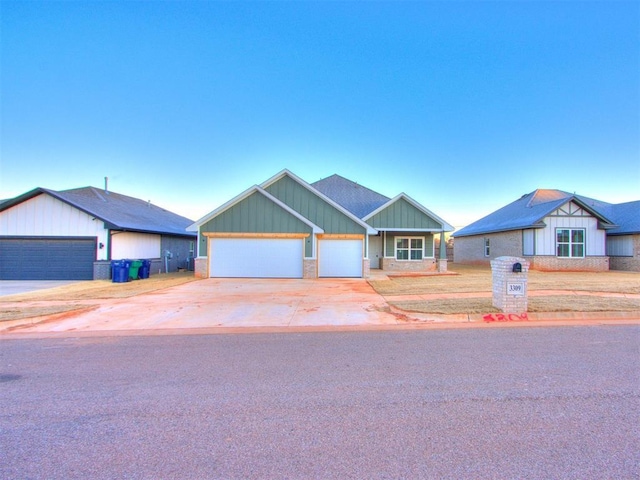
pixel 464 106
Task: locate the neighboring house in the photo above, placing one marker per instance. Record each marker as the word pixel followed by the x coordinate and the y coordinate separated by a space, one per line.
pixel 554 230
pixel 623 242
pixel 287 228
pixel 73 234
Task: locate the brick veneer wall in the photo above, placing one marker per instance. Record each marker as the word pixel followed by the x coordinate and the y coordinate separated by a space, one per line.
pixel 502 274
pixel 393 265
pixel 366 268
pixel 102 270
pixel 554 264
pixel 309 268
pixel 200 267
pixel 629 264
pixel 470 250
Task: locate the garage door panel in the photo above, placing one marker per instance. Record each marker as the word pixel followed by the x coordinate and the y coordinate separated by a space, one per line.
pixel 340 258
pixel 23 258
pixel 256 258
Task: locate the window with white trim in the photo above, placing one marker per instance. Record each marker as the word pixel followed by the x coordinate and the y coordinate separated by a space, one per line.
pixel 409 248
pixel 570 242
pixel 487 247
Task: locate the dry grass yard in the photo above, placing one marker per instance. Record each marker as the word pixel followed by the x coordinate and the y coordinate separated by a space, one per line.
pixel 563 291
pixel 478 279
pixel 82 295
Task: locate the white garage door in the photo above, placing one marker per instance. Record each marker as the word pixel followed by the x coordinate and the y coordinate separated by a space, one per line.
pixel 340 258
pixel 256 257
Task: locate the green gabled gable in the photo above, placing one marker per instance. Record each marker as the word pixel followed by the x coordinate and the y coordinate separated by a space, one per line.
pixel 401 214
pixel 256 214
pixel 312 207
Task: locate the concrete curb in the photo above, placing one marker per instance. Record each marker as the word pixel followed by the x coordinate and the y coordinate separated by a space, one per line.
pixel 439 323
pixel 528 317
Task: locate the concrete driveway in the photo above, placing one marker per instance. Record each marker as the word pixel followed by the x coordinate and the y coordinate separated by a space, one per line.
pixel 234 303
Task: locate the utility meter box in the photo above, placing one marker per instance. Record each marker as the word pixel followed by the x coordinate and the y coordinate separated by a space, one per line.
pixel 509 276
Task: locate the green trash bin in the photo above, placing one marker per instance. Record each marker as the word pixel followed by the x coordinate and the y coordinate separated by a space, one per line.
pixel 133 269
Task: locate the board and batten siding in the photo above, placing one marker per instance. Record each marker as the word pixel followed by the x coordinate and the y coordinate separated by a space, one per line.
pixel 529 242
pixel 255 214
pixel 620 246
pixel 135 245
pixel 314 208
pixel 401 214
pixel 46 216
pixel 545 238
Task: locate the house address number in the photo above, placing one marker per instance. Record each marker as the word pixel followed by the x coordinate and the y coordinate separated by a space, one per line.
pixel 515 289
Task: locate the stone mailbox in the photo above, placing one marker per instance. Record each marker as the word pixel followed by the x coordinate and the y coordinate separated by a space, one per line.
pixel 510 284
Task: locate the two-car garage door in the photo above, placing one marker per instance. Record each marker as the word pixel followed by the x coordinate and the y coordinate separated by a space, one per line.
pixel 28 258
pixel 256 257
pixel 282 257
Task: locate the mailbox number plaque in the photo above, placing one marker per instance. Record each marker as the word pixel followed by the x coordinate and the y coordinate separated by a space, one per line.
pixel 515 289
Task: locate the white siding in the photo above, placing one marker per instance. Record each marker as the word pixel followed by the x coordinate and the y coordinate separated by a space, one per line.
pixel 545 240
pixel 620 246
pixel 135 245
pixel 49 217
pixel 528 242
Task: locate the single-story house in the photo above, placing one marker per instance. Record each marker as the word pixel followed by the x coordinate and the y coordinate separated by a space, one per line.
pixel 623 241
pixel 74 234
pixel 554 230
pixel 288 228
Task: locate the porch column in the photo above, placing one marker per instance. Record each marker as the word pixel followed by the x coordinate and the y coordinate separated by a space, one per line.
pixel 442 261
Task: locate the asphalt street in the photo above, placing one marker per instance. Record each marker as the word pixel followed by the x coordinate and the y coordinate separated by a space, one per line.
pixel 534 403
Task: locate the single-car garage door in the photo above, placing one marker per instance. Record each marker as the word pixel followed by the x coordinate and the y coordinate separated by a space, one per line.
pixel 256 257
pixel 340 258
pixel 25 258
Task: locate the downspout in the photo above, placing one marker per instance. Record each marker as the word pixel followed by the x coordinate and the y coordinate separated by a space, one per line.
pixel 109 245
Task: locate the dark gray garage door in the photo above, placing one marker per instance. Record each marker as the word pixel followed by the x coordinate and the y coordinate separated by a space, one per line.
pixel 24 258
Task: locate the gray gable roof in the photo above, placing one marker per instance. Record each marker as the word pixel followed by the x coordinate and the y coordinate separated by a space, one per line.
pixel 529 211
pixel 625 215
pixel 359 200
pixel 118 212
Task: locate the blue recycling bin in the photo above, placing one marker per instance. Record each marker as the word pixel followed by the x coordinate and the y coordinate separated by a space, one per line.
pixel 120 271
pixel 145 268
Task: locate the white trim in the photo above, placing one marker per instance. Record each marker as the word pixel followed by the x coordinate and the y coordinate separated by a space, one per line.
pixel 425 230
pixel 368 228
pixel 571 243
pixel 445 226
pixel 409 249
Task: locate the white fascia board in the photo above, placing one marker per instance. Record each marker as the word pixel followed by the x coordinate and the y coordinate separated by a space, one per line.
pixel 237 199
pixel 445 226
pixel 426 230
pixel 195 226
pixel 369 229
